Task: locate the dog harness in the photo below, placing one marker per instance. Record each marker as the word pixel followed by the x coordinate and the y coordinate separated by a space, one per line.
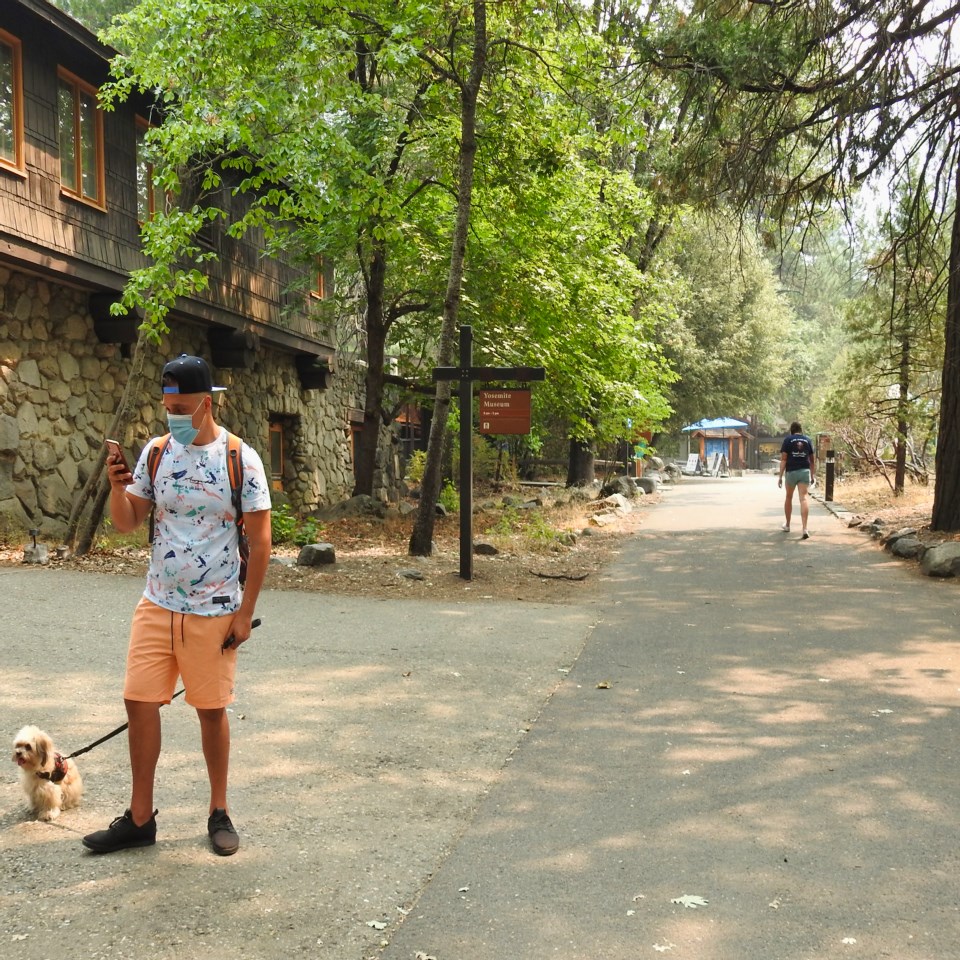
pixel 58 772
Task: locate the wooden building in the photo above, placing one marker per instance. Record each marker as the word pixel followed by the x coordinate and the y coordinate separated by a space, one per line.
pixel 75 186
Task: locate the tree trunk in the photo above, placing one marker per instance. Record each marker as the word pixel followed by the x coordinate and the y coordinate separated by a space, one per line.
pixel 421 539
pixel 92 494
pixel 580 469
pixel 903 423
pixel 946 492
pixel 368 443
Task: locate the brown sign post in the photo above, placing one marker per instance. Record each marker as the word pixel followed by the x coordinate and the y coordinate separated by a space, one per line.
pixel 466 374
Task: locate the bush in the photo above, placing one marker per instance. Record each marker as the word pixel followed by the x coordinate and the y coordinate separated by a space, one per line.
pixel 286 527
pixel 530 524
pixel 449 498
pixel 416 466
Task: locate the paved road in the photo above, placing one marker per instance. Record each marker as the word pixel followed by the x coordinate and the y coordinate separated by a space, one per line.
pixel 764 723
pixel 779 738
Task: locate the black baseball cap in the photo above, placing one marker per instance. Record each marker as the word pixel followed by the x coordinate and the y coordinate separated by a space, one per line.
pixel 188 374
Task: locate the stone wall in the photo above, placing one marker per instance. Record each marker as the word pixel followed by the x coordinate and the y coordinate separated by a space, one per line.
pixel 59 389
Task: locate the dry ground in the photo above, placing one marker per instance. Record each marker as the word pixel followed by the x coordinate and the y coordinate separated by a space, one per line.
pixel 870 498
pixel 372 557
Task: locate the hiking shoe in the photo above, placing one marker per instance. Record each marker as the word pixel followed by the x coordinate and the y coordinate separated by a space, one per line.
pixel 785 527
pixel 123 833
pixel 224 839
pixel 806 536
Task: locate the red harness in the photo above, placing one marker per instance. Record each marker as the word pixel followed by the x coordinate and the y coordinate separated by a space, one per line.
pixel 58 772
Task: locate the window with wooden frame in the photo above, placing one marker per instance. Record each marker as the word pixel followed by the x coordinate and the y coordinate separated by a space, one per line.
pixel 148 194
pixel 318 288
pixel 81 140
pixel 277 454
pixel 11 103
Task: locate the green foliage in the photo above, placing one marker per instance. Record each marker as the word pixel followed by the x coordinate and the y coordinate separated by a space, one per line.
pixel 727 344
pixel 449 497
pixel 95 14
pixel 532 525
pixel 416 465
pixel 287 528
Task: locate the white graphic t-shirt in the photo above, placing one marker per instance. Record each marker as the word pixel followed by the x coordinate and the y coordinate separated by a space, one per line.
pixel 195 564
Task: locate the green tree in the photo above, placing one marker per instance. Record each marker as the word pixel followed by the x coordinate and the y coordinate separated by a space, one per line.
pixel 790 105
pixel 95 14
pixel 895 328
pixel 334 126
pixel 729 346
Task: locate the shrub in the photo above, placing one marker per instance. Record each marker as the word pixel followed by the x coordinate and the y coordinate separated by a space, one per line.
pixel 286 527
pixel 449 498
pixel 416 466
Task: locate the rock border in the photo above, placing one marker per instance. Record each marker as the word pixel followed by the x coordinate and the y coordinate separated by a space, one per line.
pixel 940 559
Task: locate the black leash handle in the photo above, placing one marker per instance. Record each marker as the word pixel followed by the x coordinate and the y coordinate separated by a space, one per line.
pixel 231 640
pixel 123 726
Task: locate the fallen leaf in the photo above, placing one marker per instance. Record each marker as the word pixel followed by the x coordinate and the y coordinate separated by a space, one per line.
pixel 690 901
pixel 603 685
pixel 849 940
pixel 377 924
pixel 663 947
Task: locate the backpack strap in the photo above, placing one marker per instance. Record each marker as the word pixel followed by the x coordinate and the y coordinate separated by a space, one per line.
pixel 235 472
pixel 157 449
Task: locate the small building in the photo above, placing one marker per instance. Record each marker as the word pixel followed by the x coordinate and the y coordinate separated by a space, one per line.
pixel 723 437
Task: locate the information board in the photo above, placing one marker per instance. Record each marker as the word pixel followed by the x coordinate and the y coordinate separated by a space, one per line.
pixel 504 411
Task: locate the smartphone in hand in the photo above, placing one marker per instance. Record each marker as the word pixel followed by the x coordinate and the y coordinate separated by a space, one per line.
pixel 115 454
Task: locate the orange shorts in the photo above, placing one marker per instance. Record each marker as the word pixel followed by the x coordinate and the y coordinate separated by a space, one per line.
pixel 165 645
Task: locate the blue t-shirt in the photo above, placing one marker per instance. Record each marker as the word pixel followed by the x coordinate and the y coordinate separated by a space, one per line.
pixel 799 450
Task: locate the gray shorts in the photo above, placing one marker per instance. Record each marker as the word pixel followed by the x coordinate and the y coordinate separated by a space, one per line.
pixel 796 477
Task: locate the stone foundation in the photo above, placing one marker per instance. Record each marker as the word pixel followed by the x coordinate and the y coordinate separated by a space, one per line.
pixel 59 389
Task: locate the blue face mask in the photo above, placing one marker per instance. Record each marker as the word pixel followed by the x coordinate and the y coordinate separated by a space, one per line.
pixel 181 426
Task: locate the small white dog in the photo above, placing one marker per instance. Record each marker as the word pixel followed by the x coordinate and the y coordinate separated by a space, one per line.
pixel 51 782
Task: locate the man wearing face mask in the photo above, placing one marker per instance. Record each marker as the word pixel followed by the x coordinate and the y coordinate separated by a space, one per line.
pixel 194 613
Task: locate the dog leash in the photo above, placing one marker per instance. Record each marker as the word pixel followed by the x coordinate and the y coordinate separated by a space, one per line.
pixel 123 726
pixel 111 734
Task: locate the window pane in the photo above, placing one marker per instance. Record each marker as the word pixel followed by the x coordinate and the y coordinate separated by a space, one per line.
pixel 68 154
pixel 276 451
pixel 8 143
pixel 88 140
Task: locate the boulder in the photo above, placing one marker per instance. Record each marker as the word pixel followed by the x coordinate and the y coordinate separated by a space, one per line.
pixel 646 484
pixel 888 540
pixel 358 506
pixel 942 560
pixel 907 547
pixel 624 486
pixel 485 549
pixel 317 555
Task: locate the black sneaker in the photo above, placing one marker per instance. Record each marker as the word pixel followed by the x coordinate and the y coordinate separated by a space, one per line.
pixel 224 839
pixel 123 833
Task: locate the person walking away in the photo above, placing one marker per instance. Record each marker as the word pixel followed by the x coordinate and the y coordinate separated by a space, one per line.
pixel 194 612
pixel 798 463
